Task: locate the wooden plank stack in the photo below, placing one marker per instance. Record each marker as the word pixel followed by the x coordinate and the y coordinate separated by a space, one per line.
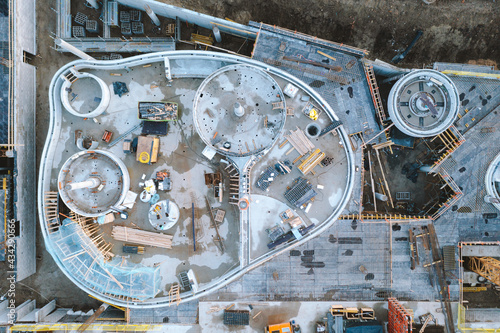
pixel 311 161
pixel 51 211
pixel 142 237
pixel 299 141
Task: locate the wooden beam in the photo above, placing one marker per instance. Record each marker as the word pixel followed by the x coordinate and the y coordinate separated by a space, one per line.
pixel 92 318
pixel 383 176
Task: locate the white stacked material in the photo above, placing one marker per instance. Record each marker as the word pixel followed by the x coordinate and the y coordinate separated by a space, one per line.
pixel 142 237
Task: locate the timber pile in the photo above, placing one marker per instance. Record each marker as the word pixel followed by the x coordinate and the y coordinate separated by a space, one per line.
pixel 311 161
pixel 142 237
pixel 299 141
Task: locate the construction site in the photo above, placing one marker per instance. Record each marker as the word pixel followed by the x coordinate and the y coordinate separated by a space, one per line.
pixel 171 169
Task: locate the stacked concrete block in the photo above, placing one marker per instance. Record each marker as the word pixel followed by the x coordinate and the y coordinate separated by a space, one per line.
pixel 81 18
pixel 124 16
pixel 78 31
pixel 135 15
pixel 137 28
pixel 126 29
pixel 92 26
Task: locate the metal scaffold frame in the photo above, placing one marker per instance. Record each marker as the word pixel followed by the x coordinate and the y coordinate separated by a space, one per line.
pixel 462 324
pixel 400 320
pixel 91 328
pixel 487 267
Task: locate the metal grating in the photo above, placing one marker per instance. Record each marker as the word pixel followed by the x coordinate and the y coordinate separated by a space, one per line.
pixel 403 196
pixel 126 28
pixel 124 16
pixel 92 26
pixel 300 192
pixel 78 31
pixel 137 28
pixel 135 15
pixel 236 317
pixel 81 18
pixel 450 261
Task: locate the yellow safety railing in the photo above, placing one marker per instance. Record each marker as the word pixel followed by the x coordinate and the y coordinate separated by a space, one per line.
pixel 461 324
pixel 93 327
pixel 472 74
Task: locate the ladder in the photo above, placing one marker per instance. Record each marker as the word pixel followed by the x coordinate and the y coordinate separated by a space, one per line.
pixel 374 91
pixel 173 295
pixel 71 77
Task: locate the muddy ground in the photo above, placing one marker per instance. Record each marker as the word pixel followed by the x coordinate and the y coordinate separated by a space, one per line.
pixel 454 30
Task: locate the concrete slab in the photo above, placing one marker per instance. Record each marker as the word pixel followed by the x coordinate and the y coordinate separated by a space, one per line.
pixel 480 250
pixel 181 155
pixel 306 314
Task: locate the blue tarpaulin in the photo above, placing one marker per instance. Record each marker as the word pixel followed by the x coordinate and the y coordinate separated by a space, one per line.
pixel 369 326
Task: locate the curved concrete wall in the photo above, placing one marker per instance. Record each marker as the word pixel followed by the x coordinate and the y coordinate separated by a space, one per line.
pixel 55 129
pixel 105 95
pixel 490 180
pixel 125 182
pixel 433 130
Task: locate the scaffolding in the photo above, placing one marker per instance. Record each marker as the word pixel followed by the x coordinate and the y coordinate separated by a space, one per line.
pixel 462 324
pixel 73 327
pixel 452 199
pixel 449 141
pixel 51 211
pixel 385 218
pixel 400 319
pixel 84 258
pixel 374 91
pixel 487 267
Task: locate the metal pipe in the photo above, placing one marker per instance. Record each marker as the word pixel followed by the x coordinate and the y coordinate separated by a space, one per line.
pixel 381 197
pixel 426 168
pixel 217 35
pixel 402 55
pixel 152 15
pixel 92 182
pixel 93 3
pixel 238 110
pixel 68 47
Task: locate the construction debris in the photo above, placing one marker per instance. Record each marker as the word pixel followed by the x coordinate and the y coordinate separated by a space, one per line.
pixel 157 111
pixel 120 88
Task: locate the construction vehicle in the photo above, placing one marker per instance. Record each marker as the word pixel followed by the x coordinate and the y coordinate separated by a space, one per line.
pixel 289 327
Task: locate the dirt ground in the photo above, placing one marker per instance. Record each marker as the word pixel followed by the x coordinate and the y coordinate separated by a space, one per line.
pixel 454 31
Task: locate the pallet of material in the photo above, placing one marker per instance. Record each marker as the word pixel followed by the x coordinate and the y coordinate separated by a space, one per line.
pixel 311 161
pixel 141 237
pixel 158 111
pixel 299 141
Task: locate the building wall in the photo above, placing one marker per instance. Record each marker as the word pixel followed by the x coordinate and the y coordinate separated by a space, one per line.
pixel 24 132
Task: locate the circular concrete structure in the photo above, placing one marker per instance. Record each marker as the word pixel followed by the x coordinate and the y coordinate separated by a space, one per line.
pixel 84 95
pixel 91 182
pixel 313 130
pixel 423 103
pixel 239 110
pixel 163 215
pixel 492 183
pixel 186 67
